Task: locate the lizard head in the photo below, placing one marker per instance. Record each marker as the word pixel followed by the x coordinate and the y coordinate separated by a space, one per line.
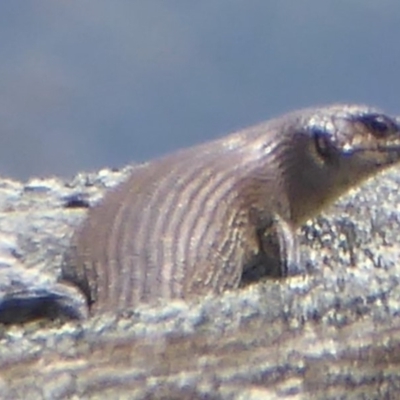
pixel 337 148
pixel 355 136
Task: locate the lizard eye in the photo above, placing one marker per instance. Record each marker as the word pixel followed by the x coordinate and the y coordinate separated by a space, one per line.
pixel 379 125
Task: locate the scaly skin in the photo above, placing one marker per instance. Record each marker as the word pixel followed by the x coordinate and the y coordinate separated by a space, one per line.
pixel 204 219
pixel 213 216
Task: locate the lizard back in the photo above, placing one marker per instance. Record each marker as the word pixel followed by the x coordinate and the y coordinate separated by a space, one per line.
pixel 177 227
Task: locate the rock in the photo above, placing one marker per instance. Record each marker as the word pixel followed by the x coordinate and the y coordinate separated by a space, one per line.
pixel 332 332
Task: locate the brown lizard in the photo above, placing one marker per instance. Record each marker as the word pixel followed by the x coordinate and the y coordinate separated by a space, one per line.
pixel 203 219
pixel 199 220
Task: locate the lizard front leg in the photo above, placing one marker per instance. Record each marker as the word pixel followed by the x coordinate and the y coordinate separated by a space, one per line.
pixel 278 254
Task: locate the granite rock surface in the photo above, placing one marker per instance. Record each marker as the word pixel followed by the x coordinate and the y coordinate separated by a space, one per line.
pixel 332 332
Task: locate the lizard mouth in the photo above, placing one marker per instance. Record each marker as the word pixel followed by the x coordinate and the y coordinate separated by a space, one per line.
pixel 385 155
pixel 391 148
pixel 379 155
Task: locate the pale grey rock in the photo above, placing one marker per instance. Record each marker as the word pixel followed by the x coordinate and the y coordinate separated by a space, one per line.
pixel 332 332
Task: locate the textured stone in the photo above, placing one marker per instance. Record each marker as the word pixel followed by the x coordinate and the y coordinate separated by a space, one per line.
pixel 332 332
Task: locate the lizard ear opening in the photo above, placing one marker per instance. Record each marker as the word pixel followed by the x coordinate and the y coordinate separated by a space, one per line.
pixel 324 146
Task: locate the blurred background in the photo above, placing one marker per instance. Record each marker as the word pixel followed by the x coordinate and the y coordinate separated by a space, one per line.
pixel 92 83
